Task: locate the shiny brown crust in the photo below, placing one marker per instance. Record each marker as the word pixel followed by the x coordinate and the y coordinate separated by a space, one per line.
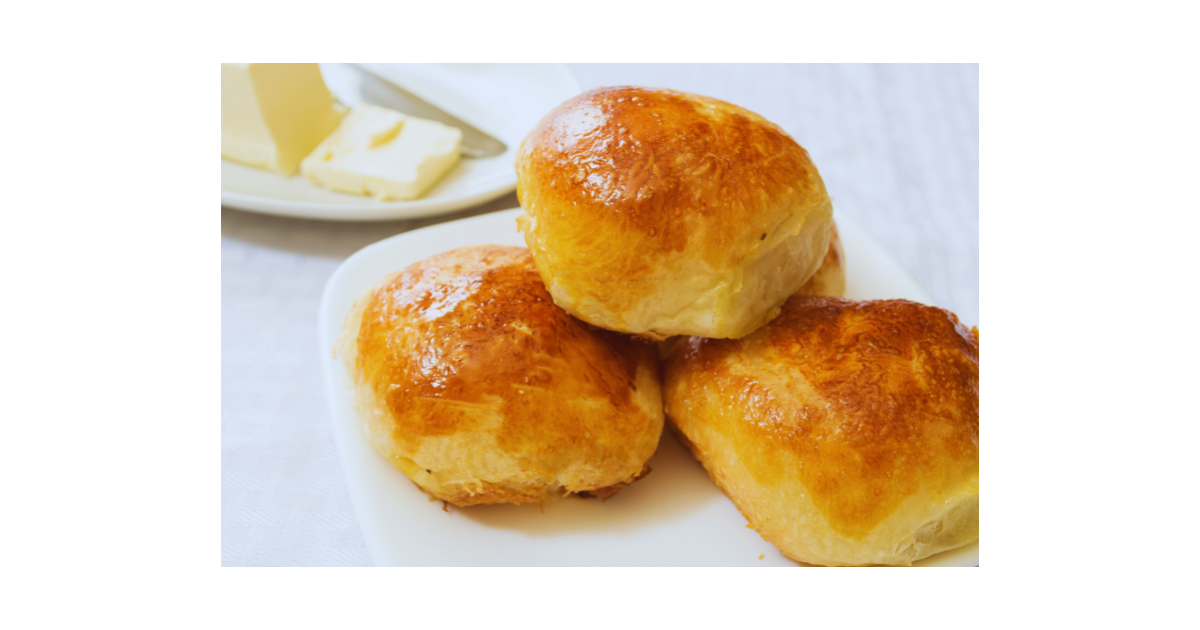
pixel 642 203
pixel 830 278
pixel 846 432
pixel 482 390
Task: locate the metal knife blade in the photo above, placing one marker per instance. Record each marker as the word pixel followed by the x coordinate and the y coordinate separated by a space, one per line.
pixel 378 90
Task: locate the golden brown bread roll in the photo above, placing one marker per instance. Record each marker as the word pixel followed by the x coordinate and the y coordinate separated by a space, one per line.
pixel 846 432
pixel 475 385
pixel 661 213
pixel 830 278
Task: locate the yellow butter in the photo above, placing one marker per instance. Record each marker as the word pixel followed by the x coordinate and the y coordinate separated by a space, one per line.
pixel 383 153
pixel 274 114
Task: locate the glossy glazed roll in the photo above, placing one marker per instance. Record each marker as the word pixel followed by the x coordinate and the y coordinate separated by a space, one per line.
pixel 660 213
pixel 474 384
pixel 846 432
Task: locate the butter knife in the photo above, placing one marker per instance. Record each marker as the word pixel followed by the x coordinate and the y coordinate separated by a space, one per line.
pixel 379 90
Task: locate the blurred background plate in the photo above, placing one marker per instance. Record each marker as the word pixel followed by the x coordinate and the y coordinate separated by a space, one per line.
pixel 503 100
pixel 676 516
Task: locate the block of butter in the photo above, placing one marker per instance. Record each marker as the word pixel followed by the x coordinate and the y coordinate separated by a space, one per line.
pixel 384 153
pixel 274 114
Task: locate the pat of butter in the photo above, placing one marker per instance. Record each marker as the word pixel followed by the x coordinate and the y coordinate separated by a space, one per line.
pixel 274 114
pixel 381 152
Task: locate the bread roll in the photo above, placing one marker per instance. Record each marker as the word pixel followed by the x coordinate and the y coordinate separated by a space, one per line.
pixel 475 385
pixel 830 278
pixel 847 433
pixel 661 213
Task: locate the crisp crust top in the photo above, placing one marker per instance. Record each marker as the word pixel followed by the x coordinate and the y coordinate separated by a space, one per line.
pixel 681 171
pixel 455 340
pixel 866 402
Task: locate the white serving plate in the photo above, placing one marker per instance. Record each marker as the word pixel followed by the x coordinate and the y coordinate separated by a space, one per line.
pixel 503 100
pixel 675 516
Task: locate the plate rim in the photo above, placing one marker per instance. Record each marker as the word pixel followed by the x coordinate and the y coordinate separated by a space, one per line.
pixel 350 212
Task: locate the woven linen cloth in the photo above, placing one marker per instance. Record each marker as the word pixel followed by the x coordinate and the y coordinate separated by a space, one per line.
pixel 897 146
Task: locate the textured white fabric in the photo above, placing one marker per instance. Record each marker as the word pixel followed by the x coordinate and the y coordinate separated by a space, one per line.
pixel 897 145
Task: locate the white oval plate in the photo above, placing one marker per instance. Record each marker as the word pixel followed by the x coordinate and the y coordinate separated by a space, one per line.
pixel 503 100
pixel 673 517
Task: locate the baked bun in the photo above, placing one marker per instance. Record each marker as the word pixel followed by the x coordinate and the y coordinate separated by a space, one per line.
pixel 830 278
pixel 661 213
pixel 475 385
pixel 846 432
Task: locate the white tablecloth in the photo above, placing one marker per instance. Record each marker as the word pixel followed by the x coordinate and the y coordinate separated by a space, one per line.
pixel 897 145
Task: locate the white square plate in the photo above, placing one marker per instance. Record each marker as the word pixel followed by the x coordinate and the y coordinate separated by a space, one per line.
pixel 675 516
